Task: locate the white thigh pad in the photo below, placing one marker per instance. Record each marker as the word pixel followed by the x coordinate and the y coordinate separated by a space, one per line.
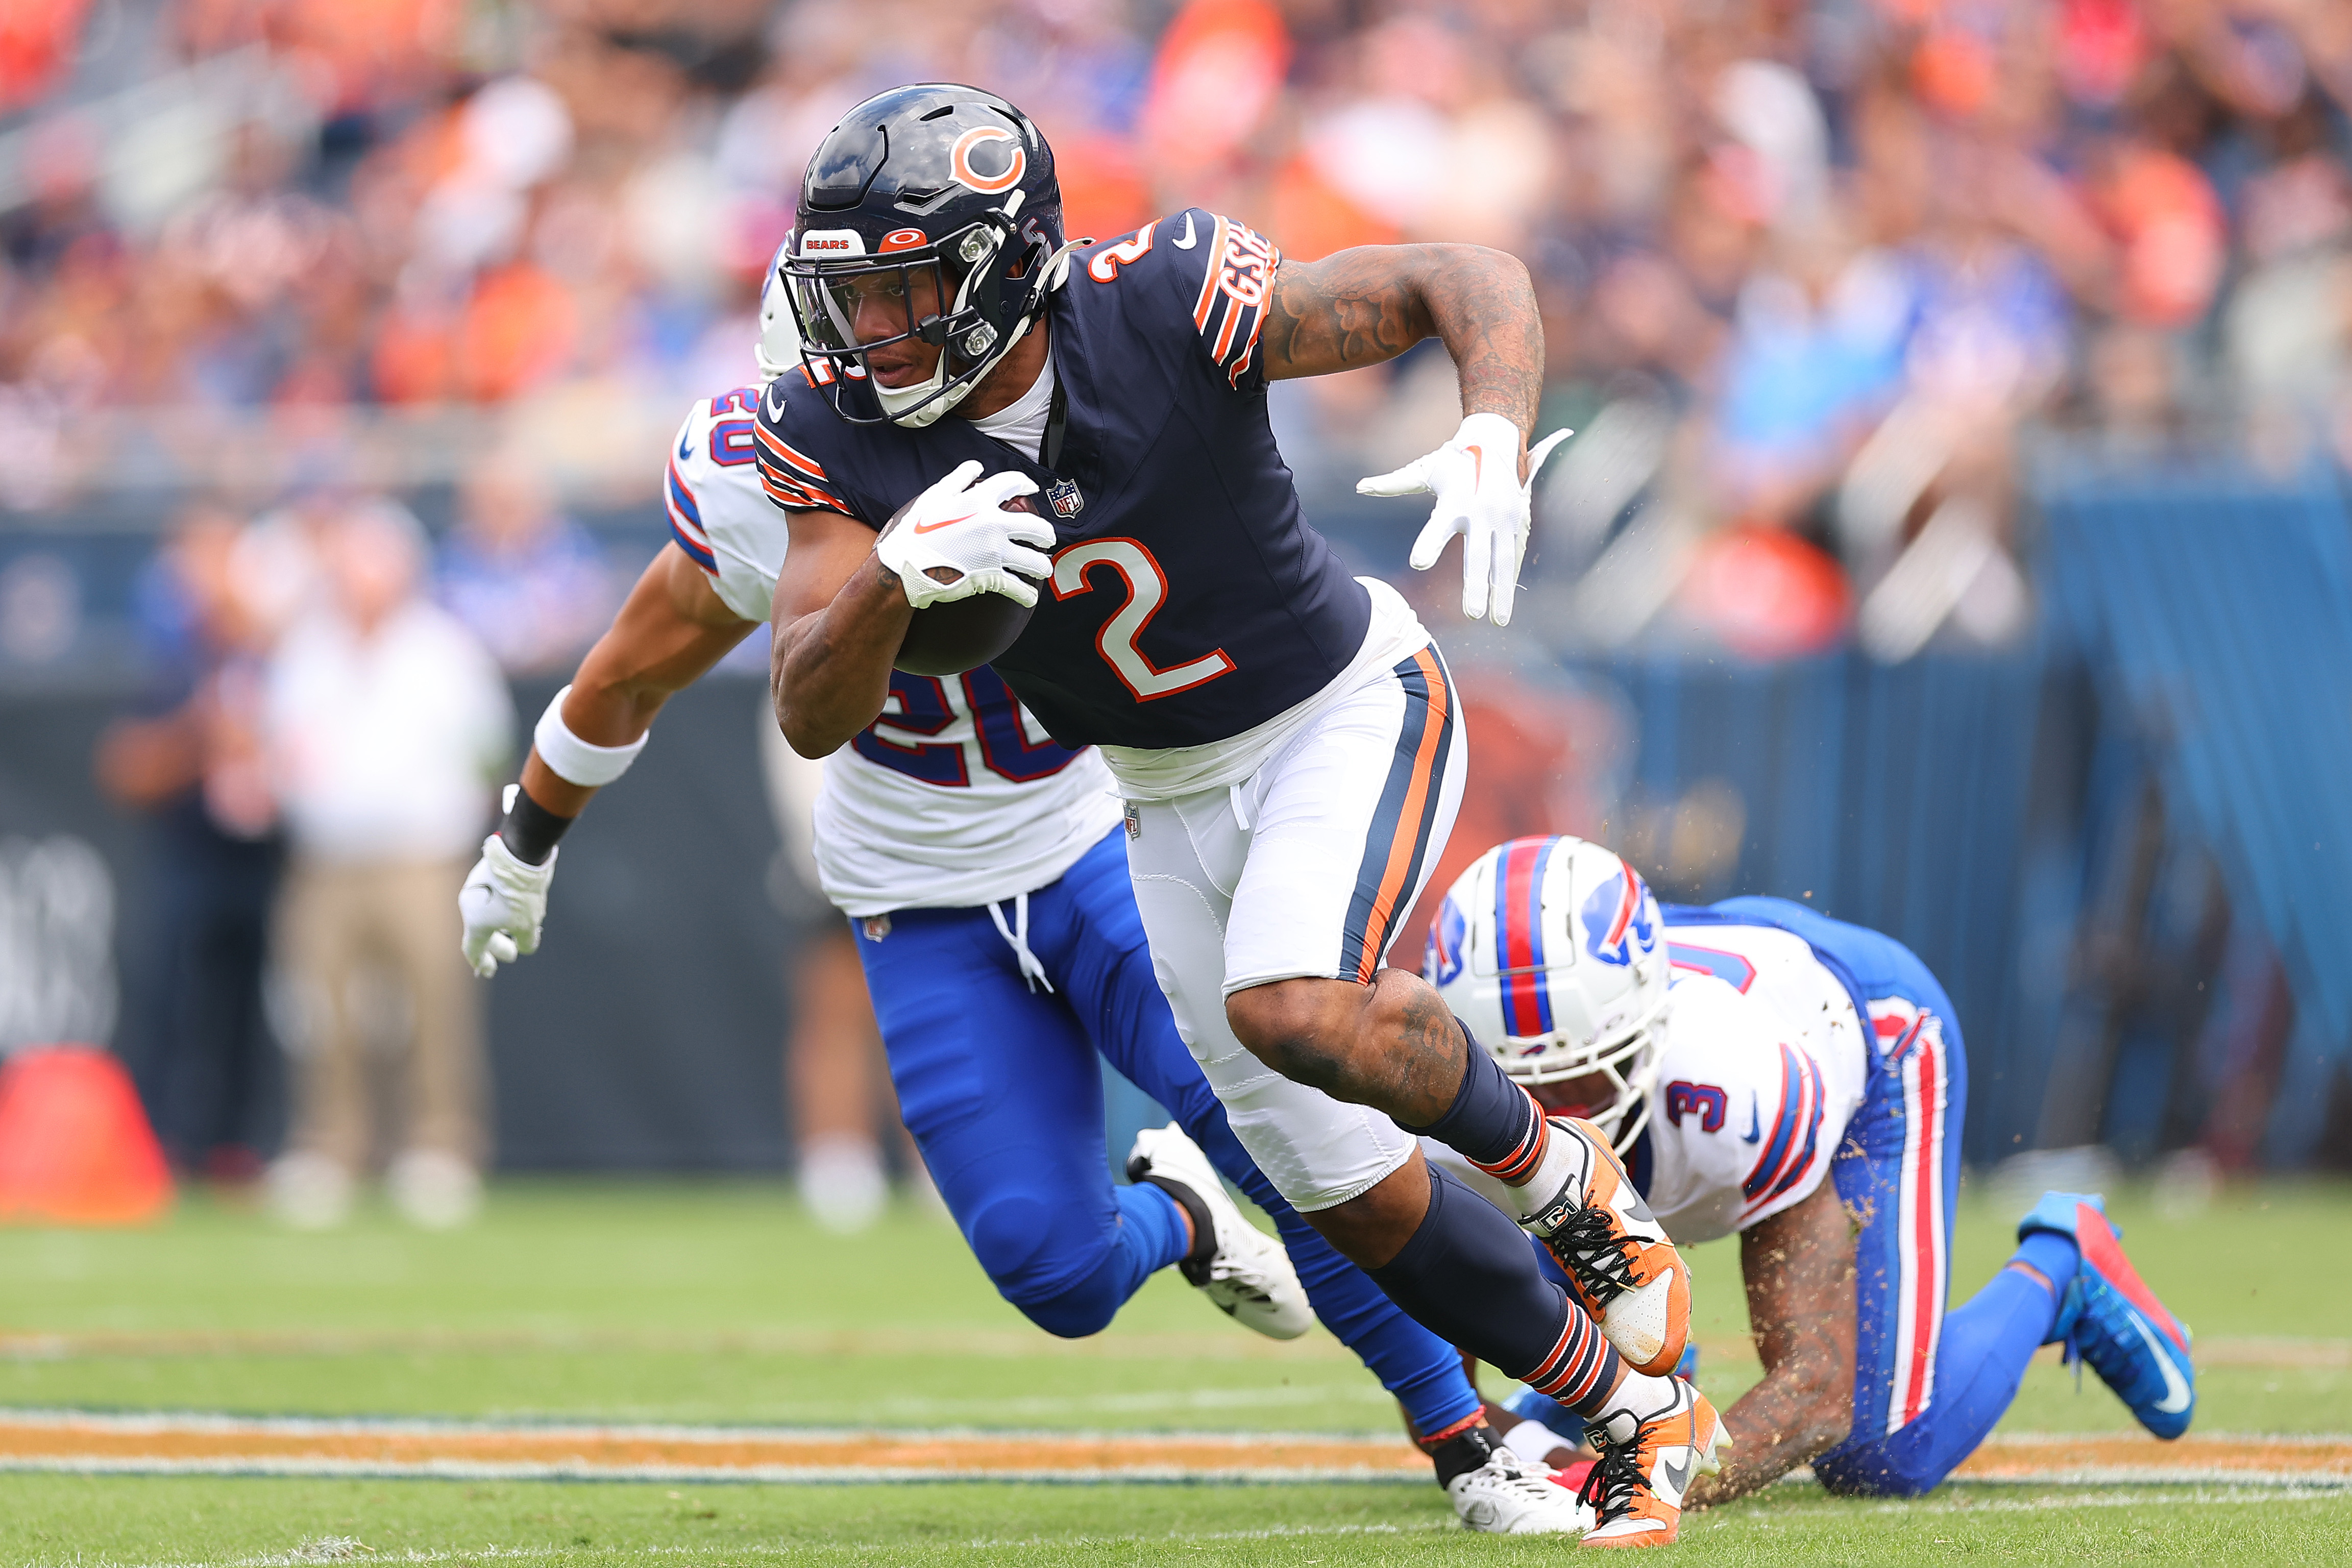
pixel 1316 1151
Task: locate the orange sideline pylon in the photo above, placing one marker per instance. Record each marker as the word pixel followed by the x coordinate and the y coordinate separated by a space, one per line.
pixel 75 1144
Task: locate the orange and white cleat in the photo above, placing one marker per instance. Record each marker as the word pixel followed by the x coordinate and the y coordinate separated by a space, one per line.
pixel 1621 1268
pixel 1637 1486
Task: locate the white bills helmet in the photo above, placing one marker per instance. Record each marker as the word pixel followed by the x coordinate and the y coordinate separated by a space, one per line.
pixel 1551 952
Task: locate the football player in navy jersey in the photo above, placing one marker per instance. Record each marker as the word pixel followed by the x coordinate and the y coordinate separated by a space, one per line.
pixel 983 868
pixel 1284 736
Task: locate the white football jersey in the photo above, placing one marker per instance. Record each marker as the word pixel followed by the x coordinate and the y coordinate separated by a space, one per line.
pixel 1762 1067
pixel 954 797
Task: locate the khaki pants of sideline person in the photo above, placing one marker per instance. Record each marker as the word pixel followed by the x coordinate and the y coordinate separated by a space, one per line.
pixel 343 929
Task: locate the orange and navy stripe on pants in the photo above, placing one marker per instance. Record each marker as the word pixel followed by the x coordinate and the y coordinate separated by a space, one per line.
pixel 1520 1165
pixel 1581 1363
pixel 1398 844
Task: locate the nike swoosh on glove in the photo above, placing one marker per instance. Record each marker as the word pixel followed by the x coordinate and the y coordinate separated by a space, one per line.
pixel 1476 479
pixel 503 904
pixel 962 527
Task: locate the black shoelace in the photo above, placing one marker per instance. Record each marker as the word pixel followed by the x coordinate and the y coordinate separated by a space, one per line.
pixel 1615 1479
pixel 1601 1261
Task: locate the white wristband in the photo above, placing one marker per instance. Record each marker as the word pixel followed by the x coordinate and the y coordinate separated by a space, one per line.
pixel 575 761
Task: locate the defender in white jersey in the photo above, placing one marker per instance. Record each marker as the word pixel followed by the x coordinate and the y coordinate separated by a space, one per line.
pixel 984 869
pixel 955 797
pixel 1800 1081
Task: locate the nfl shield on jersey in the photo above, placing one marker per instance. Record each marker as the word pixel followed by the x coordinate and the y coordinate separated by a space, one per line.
pixel 954 796
pixel 1189 600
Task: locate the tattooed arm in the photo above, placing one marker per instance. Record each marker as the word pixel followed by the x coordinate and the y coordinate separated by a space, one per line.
pixel 1360 307
pixel 1799 1269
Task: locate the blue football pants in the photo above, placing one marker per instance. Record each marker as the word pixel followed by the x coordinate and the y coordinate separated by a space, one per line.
pixel 1928 1384
pixel 1001 1087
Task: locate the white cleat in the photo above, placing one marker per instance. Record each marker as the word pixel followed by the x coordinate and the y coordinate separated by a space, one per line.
pixel 1509 1495
pixel 1248 1278
pixel 434 1190
pixel 309 1192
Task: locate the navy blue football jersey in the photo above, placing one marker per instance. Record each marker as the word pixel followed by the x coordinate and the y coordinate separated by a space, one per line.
pixel 1190 599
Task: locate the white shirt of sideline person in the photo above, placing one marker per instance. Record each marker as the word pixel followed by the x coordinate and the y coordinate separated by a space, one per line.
pixel 387 717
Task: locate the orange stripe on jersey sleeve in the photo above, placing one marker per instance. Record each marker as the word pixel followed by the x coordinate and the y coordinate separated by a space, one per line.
pixel 1235 310
pixel 785 452
pixel 784 491
pixel 1257 322
pixel 1209 277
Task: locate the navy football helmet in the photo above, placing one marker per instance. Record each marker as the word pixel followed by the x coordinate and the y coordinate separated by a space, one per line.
pixel 930 213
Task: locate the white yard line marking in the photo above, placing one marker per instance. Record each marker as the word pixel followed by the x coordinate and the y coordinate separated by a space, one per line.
pixel 210 1423
pixel 50 1345
pixel 798 1550
pixel 712 1475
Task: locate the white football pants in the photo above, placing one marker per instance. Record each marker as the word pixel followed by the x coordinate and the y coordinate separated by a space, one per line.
pixel 1303 870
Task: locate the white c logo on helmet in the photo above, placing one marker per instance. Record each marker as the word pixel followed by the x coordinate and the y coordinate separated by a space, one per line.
pixel 960 160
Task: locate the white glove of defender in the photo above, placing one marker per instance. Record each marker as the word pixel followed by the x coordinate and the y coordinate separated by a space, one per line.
pixel 964 526
pixel 503 904
pixel 1476 479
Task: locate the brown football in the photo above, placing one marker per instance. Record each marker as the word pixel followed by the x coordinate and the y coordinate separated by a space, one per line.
pixel 962 634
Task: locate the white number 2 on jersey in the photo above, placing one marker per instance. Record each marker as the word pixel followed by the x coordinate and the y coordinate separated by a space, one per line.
pixel 1147 589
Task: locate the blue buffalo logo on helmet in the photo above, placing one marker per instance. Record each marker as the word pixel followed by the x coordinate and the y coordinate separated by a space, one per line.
pixel 1621 920
pixel 1449 938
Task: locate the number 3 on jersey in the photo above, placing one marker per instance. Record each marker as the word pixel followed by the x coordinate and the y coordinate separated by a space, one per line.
pixel 1147 590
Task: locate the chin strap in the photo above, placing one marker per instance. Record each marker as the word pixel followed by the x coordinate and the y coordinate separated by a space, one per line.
pixel 1052 274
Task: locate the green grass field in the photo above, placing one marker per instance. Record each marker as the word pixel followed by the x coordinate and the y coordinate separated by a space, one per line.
pixel 718 1303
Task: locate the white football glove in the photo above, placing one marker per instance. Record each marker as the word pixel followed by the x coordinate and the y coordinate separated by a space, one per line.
pixel 503 904
pixel 1476 479
pixel 965 528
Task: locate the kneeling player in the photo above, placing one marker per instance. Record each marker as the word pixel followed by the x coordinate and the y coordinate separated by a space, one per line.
pixel 1737 1054
pixel 984 873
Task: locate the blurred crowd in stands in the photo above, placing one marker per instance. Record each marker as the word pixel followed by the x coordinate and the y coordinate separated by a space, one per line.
pixel 1807 268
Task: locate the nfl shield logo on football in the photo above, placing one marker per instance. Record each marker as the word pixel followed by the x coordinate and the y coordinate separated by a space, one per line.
pixel 1067 501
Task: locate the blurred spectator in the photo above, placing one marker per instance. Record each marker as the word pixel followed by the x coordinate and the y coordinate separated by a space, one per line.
pixel 387 722
pixel 191 759
pixel 1825 261
pixel 526 580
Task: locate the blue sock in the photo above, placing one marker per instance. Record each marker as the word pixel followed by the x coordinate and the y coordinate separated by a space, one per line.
pixel 1152 1229
pixel 2058 1259
pixel 1529 1405
pixel 1420 1370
